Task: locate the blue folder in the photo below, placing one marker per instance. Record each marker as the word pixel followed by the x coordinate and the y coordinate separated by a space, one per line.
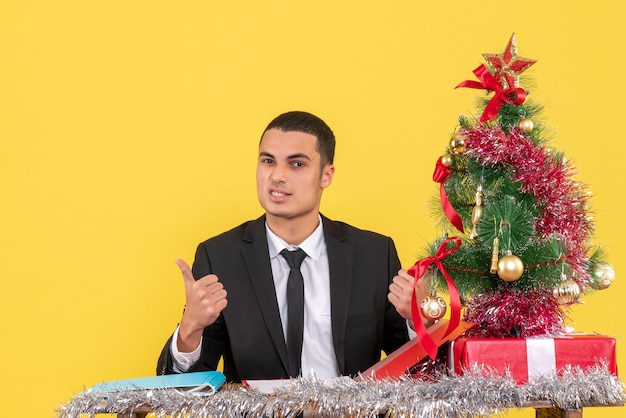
pixel 205 382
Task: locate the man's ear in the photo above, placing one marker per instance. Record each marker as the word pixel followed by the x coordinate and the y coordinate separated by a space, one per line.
pixel 328 171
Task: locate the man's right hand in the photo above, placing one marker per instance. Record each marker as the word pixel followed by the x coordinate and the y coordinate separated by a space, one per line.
pixel 205 300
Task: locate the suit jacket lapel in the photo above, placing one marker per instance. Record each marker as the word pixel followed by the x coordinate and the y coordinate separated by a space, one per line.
pixel 260 275
pixel 340 262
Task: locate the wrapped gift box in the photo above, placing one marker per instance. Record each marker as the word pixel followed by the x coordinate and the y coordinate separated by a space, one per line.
pixel 525 358
pixel 400 361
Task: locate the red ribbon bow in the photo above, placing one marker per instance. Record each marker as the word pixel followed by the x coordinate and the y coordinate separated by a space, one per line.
pixel 417 271
pixel 514 96
pixel 440 176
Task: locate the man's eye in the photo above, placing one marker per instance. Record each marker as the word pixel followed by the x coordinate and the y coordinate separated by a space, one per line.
pixel 298 164
pixel 267 161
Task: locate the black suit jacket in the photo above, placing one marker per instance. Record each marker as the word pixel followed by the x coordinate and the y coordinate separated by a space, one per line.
pixel 249 334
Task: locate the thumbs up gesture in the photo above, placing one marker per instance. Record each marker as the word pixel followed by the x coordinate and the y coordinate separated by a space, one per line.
pixel 205 300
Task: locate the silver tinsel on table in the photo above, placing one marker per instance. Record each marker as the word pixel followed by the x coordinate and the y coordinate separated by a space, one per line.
pixel 475 394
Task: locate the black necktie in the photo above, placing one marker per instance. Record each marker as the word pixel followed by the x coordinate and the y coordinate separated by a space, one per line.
pixel 295 309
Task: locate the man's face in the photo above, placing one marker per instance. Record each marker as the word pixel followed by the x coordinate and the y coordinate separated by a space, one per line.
pixel 289 176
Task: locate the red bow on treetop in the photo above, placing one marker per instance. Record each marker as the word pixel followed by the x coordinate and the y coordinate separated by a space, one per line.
pixel 514 96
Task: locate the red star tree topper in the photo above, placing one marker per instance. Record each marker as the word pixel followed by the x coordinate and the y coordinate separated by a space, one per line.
pixel 508 65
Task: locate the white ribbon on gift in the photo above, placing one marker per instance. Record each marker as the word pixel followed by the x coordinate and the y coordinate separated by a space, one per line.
pixel 541 356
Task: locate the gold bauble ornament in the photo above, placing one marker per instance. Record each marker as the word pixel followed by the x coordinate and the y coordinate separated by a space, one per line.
pixel 510 267
pixel 567 292
pixel 446 160
pixel 526 125
pixel 604 274
pixel 433 307
pixel 457 144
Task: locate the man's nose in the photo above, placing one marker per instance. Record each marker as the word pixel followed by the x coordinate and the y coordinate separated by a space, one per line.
pixel 279 173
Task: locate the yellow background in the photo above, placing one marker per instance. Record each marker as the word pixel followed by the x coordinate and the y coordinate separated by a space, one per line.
pixel 129 129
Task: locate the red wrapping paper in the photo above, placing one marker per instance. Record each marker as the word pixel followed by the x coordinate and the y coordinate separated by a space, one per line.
pixel 526 358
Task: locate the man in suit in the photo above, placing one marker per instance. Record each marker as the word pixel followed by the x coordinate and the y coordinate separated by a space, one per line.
pixel 356 297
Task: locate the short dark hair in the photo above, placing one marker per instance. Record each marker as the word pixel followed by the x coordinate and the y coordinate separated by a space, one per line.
pixel 298 121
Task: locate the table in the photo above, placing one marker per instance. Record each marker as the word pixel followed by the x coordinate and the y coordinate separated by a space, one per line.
pixel 541 411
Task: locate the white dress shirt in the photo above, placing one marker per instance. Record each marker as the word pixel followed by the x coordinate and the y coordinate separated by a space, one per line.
pixel 318 353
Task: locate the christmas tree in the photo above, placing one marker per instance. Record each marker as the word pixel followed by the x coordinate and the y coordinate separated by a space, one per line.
pixel 522 218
